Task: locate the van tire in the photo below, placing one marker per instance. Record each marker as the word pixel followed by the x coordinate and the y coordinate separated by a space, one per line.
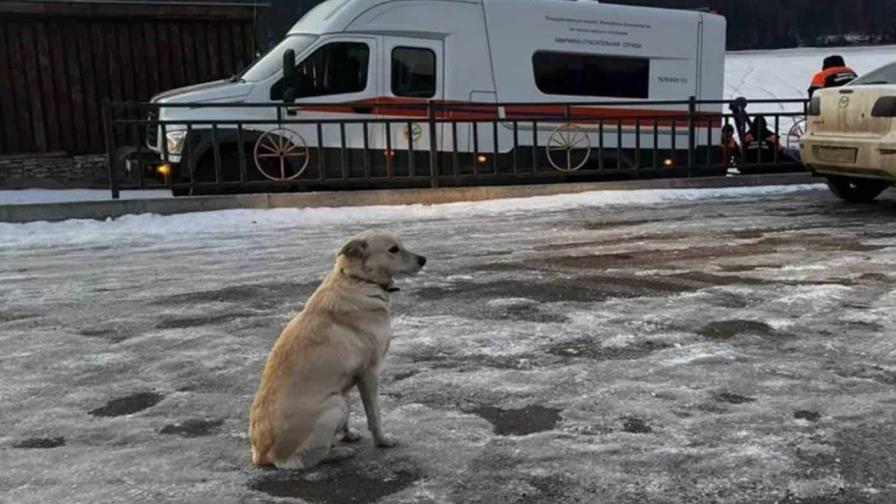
pixel 856 190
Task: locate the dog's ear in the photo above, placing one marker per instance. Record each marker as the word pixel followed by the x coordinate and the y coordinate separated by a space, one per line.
pixel 356 248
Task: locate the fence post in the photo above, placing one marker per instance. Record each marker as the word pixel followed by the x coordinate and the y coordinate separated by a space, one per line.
pixel 110 146
pixel 433 146
pixel 692 130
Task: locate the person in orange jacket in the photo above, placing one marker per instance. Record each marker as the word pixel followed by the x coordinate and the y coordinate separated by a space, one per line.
pixel 834 73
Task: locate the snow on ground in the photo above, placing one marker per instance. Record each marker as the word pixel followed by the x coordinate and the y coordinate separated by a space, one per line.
pixel 695 347
pixel 35 196
pixel 785 73
pixel 156 228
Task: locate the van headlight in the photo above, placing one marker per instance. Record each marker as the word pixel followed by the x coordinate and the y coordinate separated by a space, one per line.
pixel 175 141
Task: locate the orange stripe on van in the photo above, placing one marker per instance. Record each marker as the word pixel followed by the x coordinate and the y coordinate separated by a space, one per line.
pixel 461 111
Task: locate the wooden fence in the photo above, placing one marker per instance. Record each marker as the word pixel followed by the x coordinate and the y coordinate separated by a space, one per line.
pixel 60 61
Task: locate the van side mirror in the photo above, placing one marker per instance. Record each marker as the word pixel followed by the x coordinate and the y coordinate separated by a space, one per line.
pixel 289 65
pixel 290 79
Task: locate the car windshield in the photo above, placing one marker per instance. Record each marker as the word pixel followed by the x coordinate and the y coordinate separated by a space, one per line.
pixel 271 62
pixel 883 75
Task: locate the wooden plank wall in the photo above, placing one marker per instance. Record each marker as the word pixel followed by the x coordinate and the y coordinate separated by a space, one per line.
pixel 58 66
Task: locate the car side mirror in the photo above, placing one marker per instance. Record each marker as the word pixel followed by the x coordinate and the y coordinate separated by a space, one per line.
pixel 290 79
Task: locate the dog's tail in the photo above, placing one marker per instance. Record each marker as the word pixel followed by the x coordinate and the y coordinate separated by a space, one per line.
pixel 261 438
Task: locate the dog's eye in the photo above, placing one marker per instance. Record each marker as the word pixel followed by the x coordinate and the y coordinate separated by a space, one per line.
pixel 394 249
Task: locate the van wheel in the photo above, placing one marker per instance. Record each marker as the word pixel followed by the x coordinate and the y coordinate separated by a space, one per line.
pixel 856 190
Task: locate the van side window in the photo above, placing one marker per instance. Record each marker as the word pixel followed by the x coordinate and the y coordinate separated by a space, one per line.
pixel 413 72
pixel 335 68
pixel 573 74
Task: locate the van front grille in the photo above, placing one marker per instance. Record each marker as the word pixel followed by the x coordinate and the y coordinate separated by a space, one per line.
pixel 152 130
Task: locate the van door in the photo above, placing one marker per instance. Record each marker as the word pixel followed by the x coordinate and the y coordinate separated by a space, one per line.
pixel 414 74
pixel 338 78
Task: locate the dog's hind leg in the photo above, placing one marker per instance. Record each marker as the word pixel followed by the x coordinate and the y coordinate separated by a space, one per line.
pixel 318 446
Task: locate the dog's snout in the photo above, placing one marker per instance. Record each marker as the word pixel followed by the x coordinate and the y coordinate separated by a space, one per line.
pixel 421 261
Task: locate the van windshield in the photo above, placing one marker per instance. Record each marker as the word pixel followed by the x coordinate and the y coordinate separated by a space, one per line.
pixel 271 62
pixel 883 75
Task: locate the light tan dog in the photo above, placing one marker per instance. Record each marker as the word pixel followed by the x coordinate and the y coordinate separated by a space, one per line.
pixel 338 341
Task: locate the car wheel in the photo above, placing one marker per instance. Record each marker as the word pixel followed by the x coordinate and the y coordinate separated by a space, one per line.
pixel 857 190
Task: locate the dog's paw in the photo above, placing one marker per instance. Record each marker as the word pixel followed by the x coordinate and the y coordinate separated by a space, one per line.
pixel 339 453
pixel 350 436
pixel 386 441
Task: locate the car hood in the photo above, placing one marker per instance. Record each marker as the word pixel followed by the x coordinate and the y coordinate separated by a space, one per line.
pixel 221 90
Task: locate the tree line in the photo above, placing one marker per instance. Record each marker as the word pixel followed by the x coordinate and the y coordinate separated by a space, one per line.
pixel 775 24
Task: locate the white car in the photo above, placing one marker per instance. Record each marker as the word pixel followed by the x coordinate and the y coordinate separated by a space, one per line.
pixel 851 135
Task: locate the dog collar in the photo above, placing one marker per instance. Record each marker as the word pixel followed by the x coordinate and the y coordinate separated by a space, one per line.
pixel 387 288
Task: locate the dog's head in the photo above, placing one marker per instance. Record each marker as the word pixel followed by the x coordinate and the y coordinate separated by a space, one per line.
pixel 377 256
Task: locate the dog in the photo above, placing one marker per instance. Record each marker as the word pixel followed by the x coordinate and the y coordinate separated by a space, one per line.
pixel 337 342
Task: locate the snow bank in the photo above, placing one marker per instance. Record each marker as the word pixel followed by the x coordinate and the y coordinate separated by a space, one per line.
pixel 151 227
pixel 33 196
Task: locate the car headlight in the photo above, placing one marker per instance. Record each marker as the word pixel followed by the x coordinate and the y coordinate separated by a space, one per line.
pixel 814 108
pixel 885 106
pixel 175 141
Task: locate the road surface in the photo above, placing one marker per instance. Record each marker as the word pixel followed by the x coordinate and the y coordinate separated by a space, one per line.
pixel 725 346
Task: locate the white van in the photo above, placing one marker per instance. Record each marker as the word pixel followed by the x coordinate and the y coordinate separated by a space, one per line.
pixel 526 65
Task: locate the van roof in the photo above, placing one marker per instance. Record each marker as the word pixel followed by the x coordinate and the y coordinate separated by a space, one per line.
pixel 332 16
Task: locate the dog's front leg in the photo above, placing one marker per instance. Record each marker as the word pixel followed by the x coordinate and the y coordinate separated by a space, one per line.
pixel 368 387
pixel 346 434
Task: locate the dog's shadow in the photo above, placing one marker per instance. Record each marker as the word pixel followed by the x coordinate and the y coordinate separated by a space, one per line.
pixel 362 479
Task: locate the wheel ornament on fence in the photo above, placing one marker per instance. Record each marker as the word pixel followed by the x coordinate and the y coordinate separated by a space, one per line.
pixel 281 154
pixel 795 133
pixel 568 147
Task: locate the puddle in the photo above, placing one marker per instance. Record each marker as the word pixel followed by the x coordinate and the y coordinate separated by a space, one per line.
pixel 592 350
pixel 128 404
pixel 864 371
pixel 520 422
pixel 655 259
pixel 12 316
pixel 343 485
pixel 603 225
pixel 192 428
pixel 404 375
pixel 812 416
pixel 865 454
pixel 635 426
pixel 267 295
pixel 728 329
pixel 731 398
pixel 115 334
pixel 182 323
pixel 40 443
pixel 743 268
pixel 528 314
pixel 551 488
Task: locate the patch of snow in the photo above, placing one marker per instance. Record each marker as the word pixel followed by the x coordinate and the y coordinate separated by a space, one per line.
pixel 37 196
pixel 152 227
pixel 785 73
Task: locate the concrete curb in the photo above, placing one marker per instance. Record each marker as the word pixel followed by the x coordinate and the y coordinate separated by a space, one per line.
pixel 169 206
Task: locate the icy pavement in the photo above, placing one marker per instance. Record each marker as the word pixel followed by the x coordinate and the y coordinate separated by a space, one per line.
pixel 674 347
